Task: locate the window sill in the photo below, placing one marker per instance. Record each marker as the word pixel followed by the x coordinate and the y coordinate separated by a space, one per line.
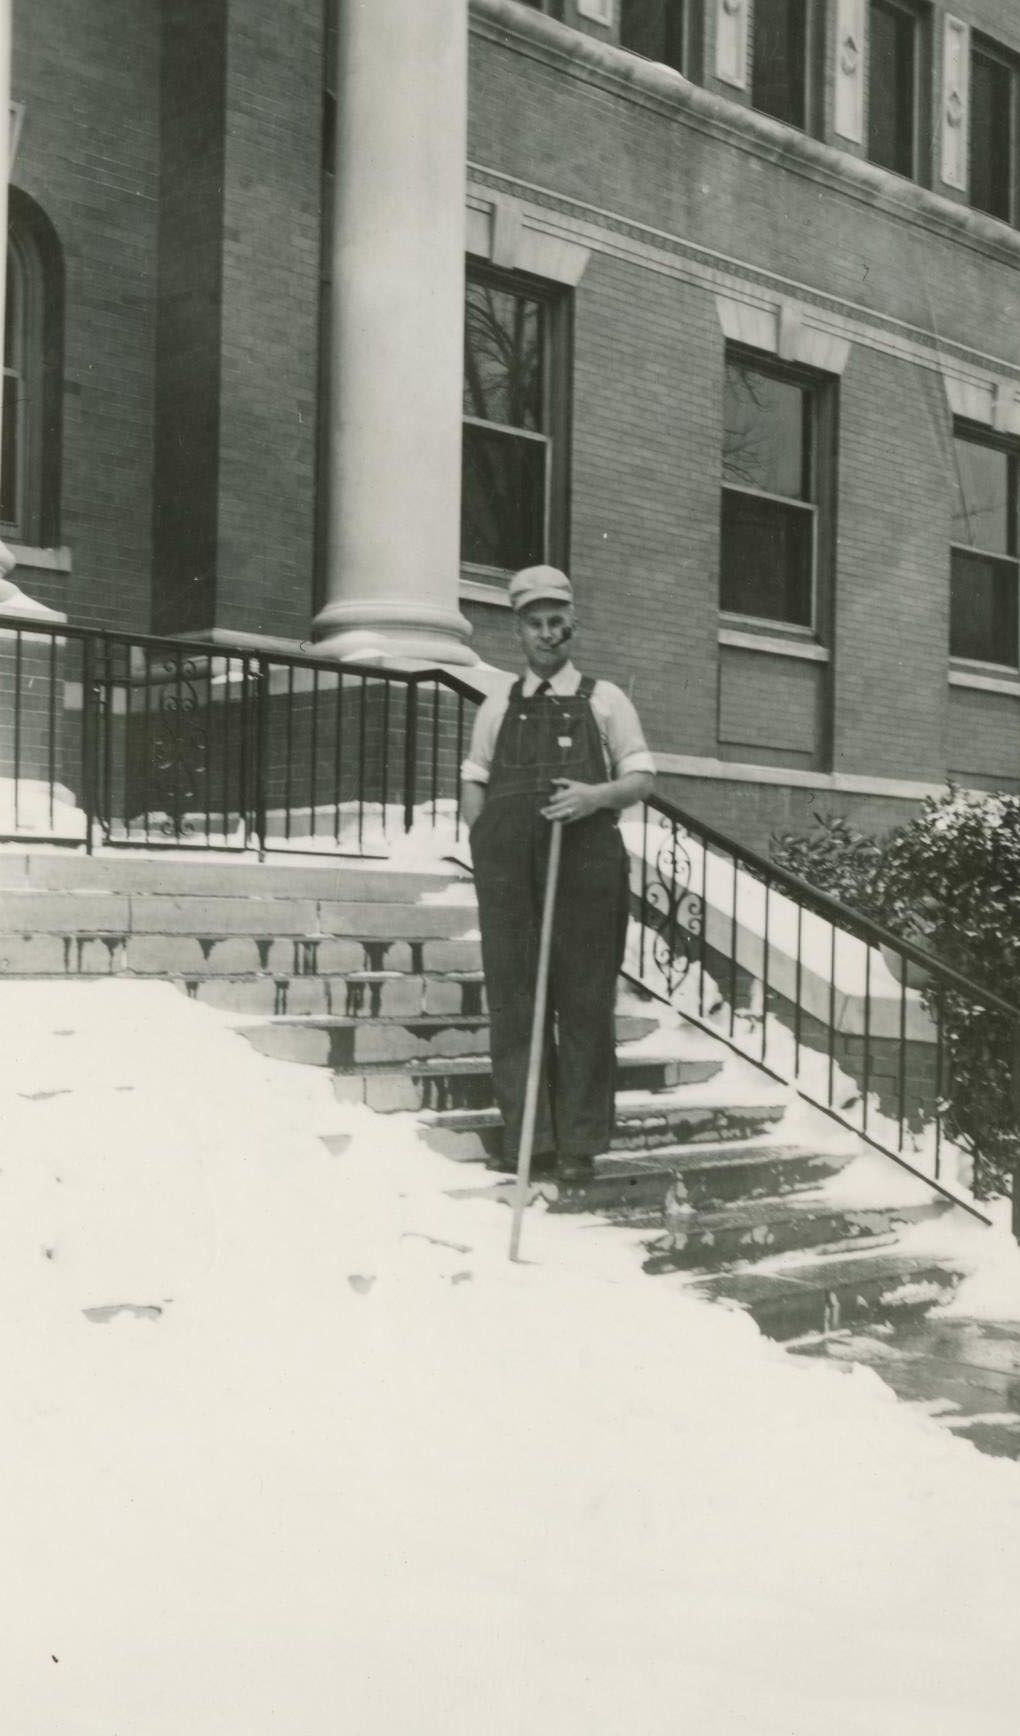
pixel 982 677
pixel 477 587
pixel 773 645
pixel 41 560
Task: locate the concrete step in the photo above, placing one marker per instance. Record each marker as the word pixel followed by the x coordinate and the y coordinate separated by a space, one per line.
pixel 618 1188
pixel 345 1044
pixel 85 913
pixel 747 1231
pixel 192 959
pixel 466 1083
pixel 647 1124
pixel 195 874
pixel 750 1169
pixel 835 1290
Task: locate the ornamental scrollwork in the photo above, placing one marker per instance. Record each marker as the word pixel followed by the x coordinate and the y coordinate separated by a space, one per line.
pixel 179 750
pixel 674 912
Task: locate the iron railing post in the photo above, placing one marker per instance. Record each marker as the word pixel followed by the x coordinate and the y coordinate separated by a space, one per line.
pixel 88 779
pixel 261 749
pixel 410 754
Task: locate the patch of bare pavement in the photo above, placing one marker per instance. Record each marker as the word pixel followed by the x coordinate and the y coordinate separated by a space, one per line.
pixel 963 1373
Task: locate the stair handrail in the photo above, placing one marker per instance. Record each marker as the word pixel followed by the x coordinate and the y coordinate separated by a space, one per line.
pixel 827 905
pixel 841 916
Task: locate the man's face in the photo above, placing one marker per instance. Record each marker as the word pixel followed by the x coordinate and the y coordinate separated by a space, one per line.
pixel 544 630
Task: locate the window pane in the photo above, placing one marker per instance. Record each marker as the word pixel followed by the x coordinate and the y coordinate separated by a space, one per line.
pixel 891 87
pixel 9 452
pixel 654 28
pixel 990 134
pixel 779 59
pixel 766 559
pixel 766 433
pixel 984 498
pixel 12 315
pixel 503 357
pixel 502 499
pixel 983 609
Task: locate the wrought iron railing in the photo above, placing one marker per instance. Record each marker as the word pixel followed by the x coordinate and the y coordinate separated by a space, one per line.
pixel 861 1021
pixel 125 740
pixel 131 740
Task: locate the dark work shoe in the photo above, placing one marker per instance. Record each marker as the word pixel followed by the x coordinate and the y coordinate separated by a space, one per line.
pixel 575 1171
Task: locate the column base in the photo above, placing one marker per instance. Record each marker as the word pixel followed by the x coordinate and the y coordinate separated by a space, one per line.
pixel 393 633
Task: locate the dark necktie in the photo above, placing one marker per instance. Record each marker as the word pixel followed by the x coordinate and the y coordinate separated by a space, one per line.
pixel 542 690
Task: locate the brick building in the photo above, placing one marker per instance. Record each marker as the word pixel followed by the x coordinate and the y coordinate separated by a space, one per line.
pixel 741 337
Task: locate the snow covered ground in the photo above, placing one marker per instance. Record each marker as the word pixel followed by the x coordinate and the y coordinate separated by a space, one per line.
pixel 290 1446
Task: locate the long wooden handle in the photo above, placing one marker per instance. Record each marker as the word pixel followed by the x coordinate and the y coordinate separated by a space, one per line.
pixel 538 1019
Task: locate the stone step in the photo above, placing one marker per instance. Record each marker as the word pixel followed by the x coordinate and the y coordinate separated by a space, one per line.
pixel 83 914
pixel 718 1173
pixel 193 959
pixel 466 1082
pixel 345 1044
pixel 838 1290
pixel 196 874
pixel 646 1124
pixel 750 1230
pixel 618 1188
pixel 359 993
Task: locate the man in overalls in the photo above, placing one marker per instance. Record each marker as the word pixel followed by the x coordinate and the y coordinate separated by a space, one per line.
pixel 556 746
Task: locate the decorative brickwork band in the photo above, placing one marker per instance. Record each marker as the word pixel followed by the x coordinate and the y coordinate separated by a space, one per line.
pixel 955 103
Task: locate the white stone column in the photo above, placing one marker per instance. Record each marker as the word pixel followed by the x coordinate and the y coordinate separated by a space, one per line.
pixel 393 541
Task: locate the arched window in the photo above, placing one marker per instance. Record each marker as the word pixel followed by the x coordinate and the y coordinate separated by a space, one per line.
pixel 33 365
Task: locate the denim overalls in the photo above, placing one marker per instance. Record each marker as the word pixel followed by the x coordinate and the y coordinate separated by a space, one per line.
pixel 543 738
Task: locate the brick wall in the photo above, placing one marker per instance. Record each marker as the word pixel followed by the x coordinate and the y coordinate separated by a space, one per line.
pixel 752 812
pixel 190 315
pixel 205 372
pixel 892 590
pixel 270 316
pixel 653 163
pixel 88 77
pixel 647 373
pixel 982 732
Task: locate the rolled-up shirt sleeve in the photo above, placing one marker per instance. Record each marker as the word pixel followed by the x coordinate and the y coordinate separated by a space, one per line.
pixel 476 768
pixel 626 746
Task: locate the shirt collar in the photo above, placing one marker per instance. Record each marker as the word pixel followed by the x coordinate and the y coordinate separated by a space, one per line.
pixel 565 682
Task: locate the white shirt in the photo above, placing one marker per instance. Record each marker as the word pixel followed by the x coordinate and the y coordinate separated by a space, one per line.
pixel 623 743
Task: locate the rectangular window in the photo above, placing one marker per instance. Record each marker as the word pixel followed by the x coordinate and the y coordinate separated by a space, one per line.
pixel 992 130
pixel 513 451
pixel 892 86
pixel 984 586
pixel 779 63
pixel 773 423
pixel 654 28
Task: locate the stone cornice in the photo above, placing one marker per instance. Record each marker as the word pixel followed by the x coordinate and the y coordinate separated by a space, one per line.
pixel 668 93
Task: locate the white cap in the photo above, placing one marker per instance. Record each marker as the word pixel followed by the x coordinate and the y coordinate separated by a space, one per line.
pixel 540 585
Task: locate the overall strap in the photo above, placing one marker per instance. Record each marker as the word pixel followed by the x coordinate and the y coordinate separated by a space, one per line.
pixel 585 688
pixel 517 689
